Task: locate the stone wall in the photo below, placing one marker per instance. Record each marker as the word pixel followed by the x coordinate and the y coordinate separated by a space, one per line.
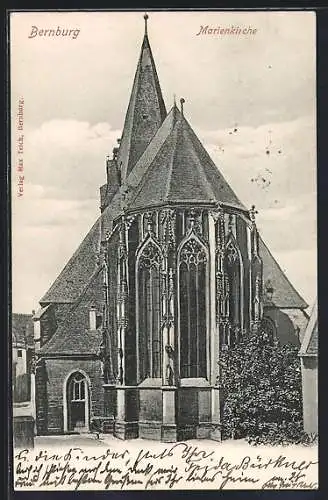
pixel 55 373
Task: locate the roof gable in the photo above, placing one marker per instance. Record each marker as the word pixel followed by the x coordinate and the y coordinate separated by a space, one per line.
pixel 310 342
pixel 285 295
pixel 73 336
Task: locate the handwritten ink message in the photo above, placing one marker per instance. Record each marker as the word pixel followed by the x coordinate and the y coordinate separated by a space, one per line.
pixel 180 466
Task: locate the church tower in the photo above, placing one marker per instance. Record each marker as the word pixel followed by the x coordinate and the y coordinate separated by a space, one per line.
pixel 184 272
pixel 145 114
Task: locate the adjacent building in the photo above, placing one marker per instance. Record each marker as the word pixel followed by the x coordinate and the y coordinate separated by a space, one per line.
pixel 22 344
pixel 309 364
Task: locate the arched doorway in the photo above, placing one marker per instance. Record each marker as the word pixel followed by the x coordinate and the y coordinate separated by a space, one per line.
pixel 76 403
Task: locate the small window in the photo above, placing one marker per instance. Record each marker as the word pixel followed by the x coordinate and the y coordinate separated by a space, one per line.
pixel 19 353
pixel 78 388
pixel 99 320
pixel 92 318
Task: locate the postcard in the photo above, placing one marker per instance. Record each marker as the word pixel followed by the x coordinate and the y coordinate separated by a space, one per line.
pixel 163 189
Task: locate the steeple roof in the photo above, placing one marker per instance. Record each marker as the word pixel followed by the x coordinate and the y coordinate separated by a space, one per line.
pixel 146 110
pixel 182 171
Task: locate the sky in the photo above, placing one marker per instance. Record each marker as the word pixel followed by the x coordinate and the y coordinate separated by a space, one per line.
pixel 249 97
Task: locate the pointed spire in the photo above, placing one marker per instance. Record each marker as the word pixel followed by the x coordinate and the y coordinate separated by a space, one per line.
pixel 174 111
pixel 252 213
pixel 146 110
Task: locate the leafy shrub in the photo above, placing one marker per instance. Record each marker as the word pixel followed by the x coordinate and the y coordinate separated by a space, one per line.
pixel 262 391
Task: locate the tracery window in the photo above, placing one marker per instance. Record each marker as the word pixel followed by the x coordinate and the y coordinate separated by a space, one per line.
pixel 78 388
pixel 192 309
pixel 233 268
pixel 149 324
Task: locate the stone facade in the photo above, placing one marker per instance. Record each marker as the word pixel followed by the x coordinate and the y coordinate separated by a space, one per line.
pixel 51 407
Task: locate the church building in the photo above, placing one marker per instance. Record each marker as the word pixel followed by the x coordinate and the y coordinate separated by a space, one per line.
pixel 172 272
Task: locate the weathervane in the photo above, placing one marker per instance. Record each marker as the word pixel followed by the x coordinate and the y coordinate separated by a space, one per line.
pixel 182 101
pixel 146 17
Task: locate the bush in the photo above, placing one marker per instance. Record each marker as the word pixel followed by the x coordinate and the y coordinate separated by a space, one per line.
pixel 262 391
pixel 278 439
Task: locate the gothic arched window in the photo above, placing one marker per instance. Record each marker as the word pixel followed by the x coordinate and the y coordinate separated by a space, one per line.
pixel 192 309
pixel 76 402
pixel 233 268
pixel 149 314
pixel 77 388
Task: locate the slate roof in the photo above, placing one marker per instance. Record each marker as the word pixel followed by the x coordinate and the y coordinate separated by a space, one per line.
pixel 310 342
pixel 284 295
pixel 70 282
pixel 72 336
pixel 145 114
pixel 164 162
pixel 182 171
pixel 72 279
pixel 22 329
pixel 141 188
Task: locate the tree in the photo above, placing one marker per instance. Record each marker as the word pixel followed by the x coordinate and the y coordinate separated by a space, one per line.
pixel 262 390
